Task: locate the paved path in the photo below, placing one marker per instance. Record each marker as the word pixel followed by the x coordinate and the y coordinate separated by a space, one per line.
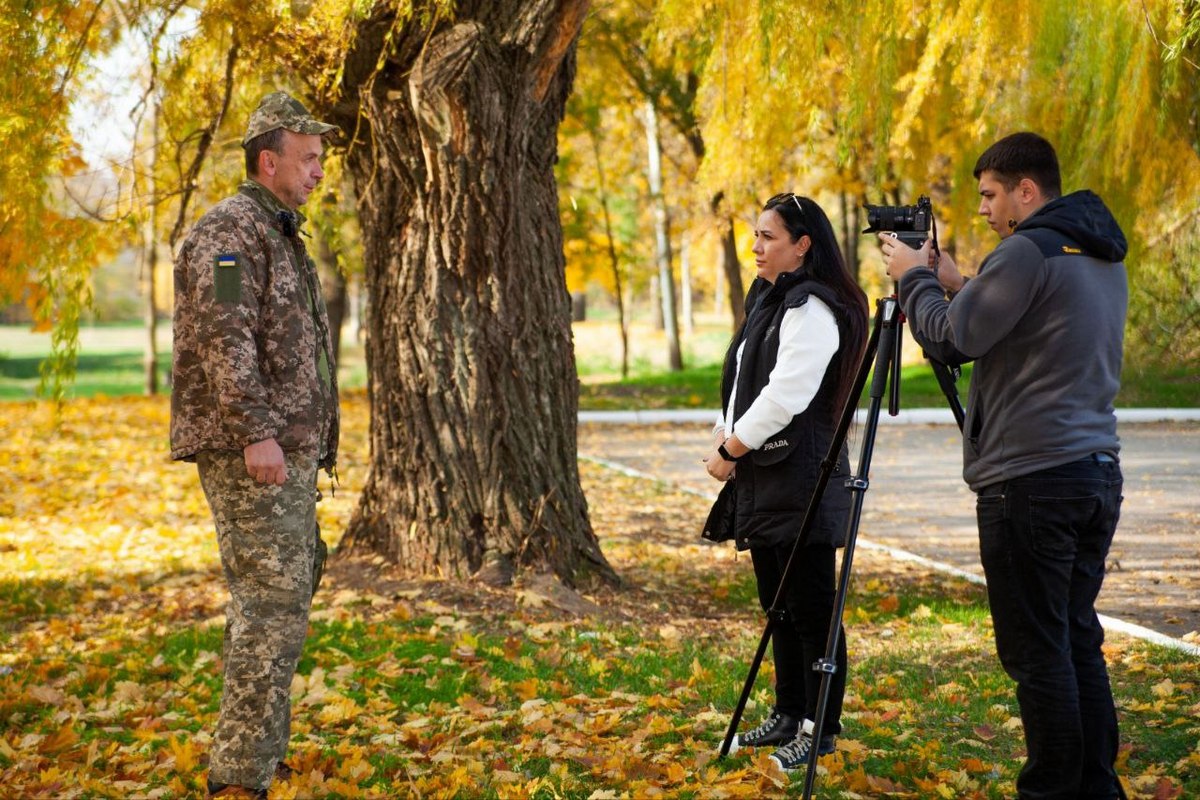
pixel 918 502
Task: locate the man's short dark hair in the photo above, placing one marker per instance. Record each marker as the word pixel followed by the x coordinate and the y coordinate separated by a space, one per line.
pixel 271 140
pixel 1022 155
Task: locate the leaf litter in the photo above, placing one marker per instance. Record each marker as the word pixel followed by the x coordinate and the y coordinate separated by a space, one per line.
pixel 112 605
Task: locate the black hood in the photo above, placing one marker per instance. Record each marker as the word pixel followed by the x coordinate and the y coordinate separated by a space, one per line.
pixel 1082 217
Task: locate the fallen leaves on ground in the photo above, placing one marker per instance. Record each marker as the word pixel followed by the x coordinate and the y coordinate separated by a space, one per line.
pixel 112 604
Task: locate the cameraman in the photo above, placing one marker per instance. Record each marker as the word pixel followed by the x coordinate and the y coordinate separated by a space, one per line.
pixel 1044 321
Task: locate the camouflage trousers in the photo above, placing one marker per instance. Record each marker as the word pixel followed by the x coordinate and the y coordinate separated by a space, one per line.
pixel 267 543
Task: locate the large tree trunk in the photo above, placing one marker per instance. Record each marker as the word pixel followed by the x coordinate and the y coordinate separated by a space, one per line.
pixel 471 369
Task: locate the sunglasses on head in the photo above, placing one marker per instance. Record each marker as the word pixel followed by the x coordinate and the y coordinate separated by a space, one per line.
pixel 784 197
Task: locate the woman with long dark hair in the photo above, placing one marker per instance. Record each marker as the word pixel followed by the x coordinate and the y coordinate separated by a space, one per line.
pixel 788 372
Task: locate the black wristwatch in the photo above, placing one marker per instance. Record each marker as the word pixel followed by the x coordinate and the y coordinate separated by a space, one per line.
pixel 725 454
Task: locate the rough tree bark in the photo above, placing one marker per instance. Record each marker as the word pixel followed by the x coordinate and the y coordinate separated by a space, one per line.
pixel 472 382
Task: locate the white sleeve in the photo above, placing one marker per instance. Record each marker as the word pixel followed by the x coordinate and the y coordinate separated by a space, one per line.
pixel 808 340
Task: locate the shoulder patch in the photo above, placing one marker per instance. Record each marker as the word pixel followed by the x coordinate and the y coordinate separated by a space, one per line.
pixel 227 282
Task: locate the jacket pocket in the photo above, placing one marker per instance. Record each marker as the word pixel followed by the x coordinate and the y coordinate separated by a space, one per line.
pixel 776 449
pixel 782 481
pixel 974 429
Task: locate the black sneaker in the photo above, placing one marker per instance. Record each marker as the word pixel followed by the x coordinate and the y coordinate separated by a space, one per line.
pixel 794 755
pixel 774 730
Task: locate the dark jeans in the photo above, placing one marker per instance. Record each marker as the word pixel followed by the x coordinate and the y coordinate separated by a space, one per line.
pixel 799 641
pixel 1043 539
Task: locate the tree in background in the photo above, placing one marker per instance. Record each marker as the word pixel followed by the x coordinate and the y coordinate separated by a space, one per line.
pixel 450 111
pixel 661 56
pixel 887 101
pixel 46 252
pixel 599 221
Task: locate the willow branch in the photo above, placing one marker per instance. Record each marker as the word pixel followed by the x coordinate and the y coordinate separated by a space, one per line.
pixel 202 148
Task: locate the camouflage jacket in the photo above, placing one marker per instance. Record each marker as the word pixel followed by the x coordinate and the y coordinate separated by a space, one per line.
pixel 253 357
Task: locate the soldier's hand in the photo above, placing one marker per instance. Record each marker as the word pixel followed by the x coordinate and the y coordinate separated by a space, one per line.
pixel 264 462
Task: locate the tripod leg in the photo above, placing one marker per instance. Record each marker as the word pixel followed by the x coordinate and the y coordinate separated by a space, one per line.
pixel 827 467
pixel 895 359
pixel 858 486
pixel 772 619
pixel 946 380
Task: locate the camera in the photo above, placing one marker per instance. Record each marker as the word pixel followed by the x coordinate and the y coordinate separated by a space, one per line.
pixel 911 224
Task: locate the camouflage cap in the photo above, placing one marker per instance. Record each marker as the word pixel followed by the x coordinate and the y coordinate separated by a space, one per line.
pixel 281 110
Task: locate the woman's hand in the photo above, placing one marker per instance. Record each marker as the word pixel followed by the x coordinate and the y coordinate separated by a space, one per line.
pixel 717 465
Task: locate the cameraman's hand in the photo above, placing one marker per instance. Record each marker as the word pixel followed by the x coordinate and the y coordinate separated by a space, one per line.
pixel 948 275
pixel 899 258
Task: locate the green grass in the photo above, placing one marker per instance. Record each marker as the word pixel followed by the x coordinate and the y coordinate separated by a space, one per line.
pixel 107 676
pixel 925 700
pixel 110 363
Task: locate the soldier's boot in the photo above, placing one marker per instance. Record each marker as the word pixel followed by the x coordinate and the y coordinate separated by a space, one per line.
pixel 231 791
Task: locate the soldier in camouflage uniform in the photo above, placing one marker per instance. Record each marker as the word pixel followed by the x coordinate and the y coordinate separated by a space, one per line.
pixel 254 404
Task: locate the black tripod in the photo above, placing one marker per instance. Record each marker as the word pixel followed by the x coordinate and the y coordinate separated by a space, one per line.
pixel 883 350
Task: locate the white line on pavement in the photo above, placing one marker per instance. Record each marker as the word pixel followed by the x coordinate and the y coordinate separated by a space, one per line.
pixel 1109 623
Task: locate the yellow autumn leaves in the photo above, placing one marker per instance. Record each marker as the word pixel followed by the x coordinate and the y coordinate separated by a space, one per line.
pixel 111 603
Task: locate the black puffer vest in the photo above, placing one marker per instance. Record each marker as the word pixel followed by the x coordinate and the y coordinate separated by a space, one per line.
pixel 774 483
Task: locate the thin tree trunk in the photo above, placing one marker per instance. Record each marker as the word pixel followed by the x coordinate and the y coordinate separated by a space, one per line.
pixel 719 298
pixel 851 219
pixel 656 306
pixel 150 265
pixel 731 265
pixel 662 239
pixel 613 261
pixel 359 309
pixel 471 368
pixel 685 284
pixel 333 289
pixel 150 310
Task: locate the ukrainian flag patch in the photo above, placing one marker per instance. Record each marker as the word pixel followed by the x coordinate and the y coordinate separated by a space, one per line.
pixel 227 282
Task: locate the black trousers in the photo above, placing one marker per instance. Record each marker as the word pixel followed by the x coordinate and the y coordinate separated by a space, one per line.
pixel 1044 538
pixel 799 640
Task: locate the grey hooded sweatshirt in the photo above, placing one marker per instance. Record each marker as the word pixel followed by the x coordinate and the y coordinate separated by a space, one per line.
pixel 1044 322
